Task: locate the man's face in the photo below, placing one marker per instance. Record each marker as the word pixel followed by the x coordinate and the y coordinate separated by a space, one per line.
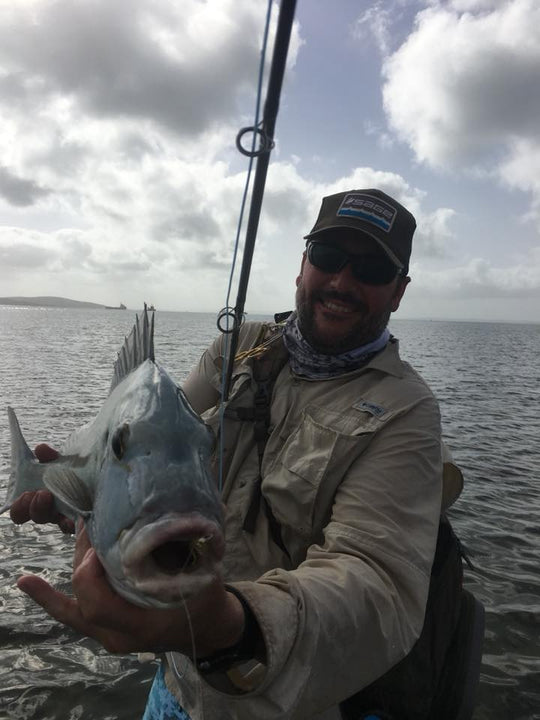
pixel 337 312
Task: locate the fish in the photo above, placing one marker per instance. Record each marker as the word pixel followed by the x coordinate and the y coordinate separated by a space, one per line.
pixel 140 477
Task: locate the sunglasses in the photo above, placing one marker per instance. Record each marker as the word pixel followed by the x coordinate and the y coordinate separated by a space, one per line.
pixel 368 269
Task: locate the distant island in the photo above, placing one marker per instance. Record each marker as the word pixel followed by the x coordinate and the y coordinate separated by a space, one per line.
pixel 49 302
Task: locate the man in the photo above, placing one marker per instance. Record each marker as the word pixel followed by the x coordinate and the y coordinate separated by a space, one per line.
pixel 332 511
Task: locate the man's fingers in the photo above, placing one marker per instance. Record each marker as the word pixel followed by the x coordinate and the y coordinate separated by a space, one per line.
pixel 66 525
pixel 56 604
pixel 82 545
pixel 43 509
pixel 67 611
pixel 45 453
pixel 98 612
pixel 98 602
pixel 38 505
pixel 20 510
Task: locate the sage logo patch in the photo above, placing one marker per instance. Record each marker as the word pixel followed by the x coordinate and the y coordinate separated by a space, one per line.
pixel 368 208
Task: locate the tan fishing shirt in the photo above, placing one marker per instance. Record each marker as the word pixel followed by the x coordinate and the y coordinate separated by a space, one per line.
pixel 352 472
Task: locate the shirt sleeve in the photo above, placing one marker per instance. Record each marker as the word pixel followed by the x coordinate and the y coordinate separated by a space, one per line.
pixel 198 386
pixel 356 605
pixel 203 385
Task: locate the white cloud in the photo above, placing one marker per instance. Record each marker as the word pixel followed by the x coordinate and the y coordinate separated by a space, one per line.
pixel 92 92
pixel 480 279
pixel 183 65
pixel 521 170
pixel 384 139
pixel 118 120
pixel 374 24
pixel 19 191
pixel 464 89
pixel 174 229
pixel 120 179
pixel 473 5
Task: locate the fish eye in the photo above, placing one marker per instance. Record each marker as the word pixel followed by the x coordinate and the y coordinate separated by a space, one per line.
pixel 119 440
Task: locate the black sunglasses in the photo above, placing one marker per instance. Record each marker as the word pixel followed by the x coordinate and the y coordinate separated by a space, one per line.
pixel 368 269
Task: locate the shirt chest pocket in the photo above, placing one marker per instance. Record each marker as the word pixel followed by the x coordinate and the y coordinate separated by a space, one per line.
pixel 302 482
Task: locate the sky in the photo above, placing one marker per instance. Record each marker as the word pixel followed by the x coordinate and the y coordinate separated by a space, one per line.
pixel 120 180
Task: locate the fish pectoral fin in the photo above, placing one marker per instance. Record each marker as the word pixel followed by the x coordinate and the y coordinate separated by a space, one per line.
pixel 68 487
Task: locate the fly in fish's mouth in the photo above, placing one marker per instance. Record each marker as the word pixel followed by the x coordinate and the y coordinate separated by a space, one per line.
pixel 171 545
pixel 160 562
pixel 180 556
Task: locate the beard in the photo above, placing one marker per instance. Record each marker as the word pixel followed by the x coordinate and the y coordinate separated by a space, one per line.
pixel 367 328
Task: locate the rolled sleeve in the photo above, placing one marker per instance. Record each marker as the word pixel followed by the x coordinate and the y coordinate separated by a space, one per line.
pixel 356 605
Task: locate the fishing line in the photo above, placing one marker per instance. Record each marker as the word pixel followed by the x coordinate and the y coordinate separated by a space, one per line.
pixel 179 674
pixel 228 313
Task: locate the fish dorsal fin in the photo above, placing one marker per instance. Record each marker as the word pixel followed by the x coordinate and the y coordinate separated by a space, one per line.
pixel 68 487
pixel 138 347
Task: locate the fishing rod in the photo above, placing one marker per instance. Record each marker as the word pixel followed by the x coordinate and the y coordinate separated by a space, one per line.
pixel 265 134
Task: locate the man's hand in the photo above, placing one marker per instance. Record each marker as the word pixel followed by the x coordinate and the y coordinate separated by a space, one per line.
pixel 38 505
pixel 216 617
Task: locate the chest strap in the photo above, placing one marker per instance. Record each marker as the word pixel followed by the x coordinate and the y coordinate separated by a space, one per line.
pixel 266 368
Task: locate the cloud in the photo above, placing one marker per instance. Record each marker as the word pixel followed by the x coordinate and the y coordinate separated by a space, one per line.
pixel 124 117
pixel 94 96
pixel 464 89
pixel 292 203
pixel 481 279
pixel 521 170
pixel 374 24
pixel 23 254
pixel 195 250
pixel 120 179
pixel 19 191
pixel 183 65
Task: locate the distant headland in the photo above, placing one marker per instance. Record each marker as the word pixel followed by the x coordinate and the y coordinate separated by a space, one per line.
pixel 48 301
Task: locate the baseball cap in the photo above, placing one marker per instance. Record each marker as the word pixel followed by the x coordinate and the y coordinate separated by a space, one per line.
pixel 373 213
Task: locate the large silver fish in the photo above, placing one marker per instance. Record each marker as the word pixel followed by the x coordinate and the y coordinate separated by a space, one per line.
pixel 139 476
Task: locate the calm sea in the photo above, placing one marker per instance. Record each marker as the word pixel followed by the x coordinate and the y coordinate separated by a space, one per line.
pixel 55 371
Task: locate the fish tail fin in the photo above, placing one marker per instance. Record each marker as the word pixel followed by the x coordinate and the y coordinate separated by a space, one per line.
pixel 21 455
pixel 138 346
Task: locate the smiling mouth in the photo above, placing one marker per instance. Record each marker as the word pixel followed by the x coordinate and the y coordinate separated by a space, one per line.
pixel 339 307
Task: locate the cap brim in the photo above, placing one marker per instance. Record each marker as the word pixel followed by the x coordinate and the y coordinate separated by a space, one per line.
pixel 397 262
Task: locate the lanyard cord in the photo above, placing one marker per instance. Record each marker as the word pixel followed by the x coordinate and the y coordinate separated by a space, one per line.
pixel 264 132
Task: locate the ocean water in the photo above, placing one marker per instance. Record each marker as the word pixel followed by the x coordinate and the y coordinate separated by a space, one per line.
pixel 55 371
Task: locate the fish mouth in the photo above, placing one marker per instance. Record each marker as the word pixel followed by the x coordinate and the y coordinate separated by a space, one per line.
pixel 167 560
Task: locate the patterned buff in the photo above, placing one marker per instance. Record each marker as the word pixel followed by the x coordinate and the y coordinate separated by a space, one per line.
pixel 307 362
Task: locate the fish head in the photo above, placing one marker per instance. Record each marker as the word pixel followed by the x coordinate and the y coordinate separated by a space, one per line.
pixel 156 520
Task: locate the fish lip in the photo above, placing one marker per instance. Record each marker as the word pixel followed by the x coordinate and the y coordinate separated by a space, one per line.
pixel 138 542
pixel 147 581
